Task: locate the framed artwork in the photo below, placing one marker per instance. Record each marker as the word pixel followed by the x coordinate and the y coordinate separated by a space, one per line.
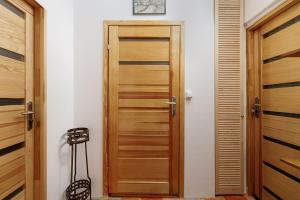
pixel 149 7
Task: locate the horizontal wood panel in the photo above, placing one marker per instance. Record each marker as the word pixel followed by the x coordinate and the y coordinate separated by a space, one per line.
pixel 146 50
pixel 267 196
pixel 144 75
pixel 282 18
pixel 282 42
pixel 144 95
pixel 11 114
pixel 143 103
pixel 11 179
pixel 142 169
pixel 12 31
pixel 19 196
pixel 12 141
pixel 144 88
pixel 12 189
pixel 143 187
pixel 11 130
pixel 143 148
pixel 12 78
pixel 282 71
pixel 134 120
pixel 143 154
pixel 11 166
pixel 280 184
pixel 144 31
pixel 282 128
pixel 143 139
pixel 273 153
pixel 5 159
pixel 285 100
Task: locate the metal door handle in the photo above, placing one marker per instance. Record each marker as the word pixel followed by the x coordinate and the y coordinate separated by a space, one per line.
pixel 256 108
pixel 29 114
pixel 173 104
pixel 170 103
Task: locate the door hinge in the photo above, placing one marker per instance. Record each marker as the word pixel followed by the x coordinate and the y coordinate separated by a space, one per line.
pixel 108 47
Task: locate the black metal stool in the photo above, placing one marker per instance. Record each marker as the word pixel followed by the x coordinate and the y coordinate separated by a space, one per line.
pixel 78 189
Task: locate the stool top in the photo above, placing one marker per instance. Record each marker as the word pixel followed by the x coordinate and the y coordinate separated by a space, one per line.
pixel 78 135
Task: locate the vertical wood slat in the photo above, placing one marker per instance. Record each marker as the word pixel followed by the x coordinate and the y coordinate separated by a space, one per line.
pixel 229 139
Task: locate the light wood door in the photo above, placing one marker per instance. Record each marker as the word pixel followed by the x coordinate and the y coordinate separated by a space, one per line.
pixel 144 110
pixel 228 93
pixel 16 92
pixel 280 104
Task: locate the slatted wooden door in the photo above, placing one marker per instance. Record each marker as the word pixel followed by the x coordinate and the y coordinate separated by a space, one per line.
pixel 16 90
pixel 144 73
pixel 229 102
pixel 280 44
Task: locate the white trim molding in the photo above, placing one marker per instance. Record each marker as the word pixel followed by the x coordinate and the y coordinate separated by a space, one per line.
pixel 263 12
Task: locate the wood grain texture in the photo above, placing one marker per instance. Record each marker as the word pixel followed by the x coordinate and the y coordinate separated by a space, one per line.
pixel 11 179
pixel 19 196
pixel 175 122
pixel 283 42
pixel 40 96
pixel 12 31
pixel 284 6
pixel 278 71
pixel 273 153
pixel 282 71
pixel 29 135
pixel 12 78
pixel 281 18
pixel 144 32
pixel 18 77
pixel 144 168
pixel 229 139
pixel 282 128
pixel 144 187
pixel 144 75
pixel 142 137
pixel 293 162
pixel 11 114
pixel 285 100
pixel 144 50
pixel 25 6
pixel 267 196
pixel 113 126
pixel 105 108
pixel 280 184
pixel 12 189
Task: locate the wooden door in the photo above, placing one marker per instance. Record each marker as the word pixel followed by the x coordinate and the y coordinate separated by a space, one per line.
pixel 229 97
pixel 16 93
pixel 144 110
pixel 280 104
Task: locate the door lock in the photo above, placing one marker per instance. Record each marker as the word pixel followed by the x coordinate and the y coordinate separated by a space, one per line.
pixel 29 114
pixel 173 104
pixel 256 108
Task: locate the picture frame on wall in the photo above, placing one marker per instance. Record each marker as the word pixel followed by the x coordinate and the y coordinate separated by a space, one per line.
pixel 149 7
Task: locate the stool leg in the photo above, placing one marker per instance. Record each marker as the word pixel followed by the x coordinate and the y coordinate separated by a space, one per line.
pixel 87 170
pixel 72 149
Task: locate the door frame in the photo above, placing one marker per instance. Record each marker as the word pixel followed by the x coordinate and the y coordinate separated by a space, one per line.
pixel 106 25
pixel 40 104
pixel 253 54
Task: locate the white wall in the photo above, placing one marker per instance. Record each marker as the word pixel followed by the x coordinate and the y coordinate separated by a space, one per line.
pixel 255 9
pixel 199 131
pixel 60 92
